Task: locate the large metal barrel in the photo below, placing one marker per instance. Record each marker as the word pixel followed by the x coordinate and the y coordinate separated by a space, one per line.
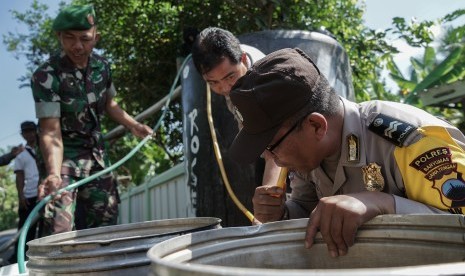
pixel 386 245
pixel 112 250
pixel 12 270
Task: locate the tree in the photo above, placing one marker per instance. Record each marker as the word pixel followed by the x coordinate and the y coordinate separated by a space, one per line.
pixel 142 38
pixel 8 197
pixel 439 65
pixel 35 45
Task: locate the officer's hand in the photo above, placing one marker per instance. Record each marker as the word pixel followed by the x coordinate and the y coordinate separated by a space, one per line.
pixel 339 217
pixel 268 204
pixel 141 130
pixel 50 185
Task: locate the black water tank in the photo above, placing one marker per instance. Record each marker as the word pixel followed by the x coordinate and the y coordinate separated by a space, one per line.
pixel 325 51
pixel 204 181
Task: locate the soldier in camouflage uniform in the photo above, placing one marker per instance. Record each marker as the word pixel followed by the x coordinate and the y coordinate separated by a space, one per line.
pixel 72 90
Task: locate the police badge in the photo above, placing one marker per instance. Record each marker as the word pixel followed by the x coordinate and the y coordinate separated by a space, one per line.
pixel 372 177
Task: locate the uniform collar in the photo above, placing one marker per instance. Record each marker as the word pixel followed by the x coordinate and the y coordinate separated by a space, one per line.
pixel 67 65
pixel 351 126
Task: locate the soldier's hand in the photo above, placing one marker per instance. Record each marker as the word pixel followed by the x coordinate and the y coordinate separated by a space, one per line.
pixel 50 185
pixel 338 218
pixel 268 204
pixel 141 130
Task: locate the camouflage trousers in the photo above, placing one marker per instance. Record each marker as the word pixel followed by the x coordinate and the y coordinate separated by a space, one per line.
pixel 95 204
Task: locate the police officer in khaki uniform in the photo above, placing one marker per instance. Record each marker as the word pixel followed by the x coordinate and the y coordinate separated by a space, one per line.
pixel 350 162
pixel 72 92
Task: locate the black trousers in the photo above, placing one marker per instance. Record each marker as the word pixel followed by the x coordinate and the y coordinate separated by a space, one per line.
pixel 23 214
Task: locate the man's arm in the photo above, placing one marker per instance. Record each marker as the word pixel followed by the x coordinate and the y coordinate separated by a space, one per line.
pixel 120 116
pixel 269 202
pixel 268 199
pixel 20 188
pixel 338 218
pixel 6 158
pixel 51 146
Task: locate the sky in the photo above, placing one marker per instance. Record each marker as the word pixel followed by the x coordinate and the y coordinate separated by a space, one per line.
pixel 17 105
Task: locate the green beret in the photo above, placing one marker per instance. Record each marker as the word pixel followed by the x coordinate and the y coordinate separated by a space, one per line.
pixel 75 18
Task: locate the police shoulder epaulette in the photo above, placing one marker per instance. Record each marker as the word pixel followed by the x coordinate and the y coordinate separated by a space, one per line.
pixel 391 129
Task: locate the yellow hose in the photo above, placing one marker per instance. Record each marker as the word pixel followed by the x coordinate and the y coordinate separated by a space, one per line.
pixel 282 179
pixel 219 160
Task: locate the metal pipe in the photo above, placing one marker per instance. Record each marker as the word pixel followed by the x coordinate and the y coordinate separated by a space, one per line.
pixel 119 131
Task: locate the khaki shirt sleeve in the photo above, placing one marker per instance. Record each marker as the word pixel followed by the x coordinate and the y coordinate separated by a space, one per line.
pixel 406 206
pixel 303 197
pixel 432 169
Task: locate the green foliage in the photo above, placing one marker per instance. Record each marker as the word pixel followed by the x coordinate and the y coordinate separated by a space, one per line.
pixel 137 37
pixel 142 40
pixel 434 77
pixel 441 65
pixel 417 33
pixel 35 45
pixel 8 198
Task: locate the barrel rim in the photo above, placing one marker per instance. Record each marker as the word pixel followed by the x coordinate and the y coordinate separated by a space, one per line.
pixel 62 238
pixel 157 253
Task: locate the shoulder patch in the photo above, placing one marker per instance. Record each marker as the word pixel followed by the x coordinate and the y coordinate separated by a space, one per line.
pixel 391 129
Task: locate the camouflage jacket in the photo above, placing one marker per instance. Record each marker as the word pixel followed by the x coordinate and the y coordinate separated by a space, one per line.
pixel 78 98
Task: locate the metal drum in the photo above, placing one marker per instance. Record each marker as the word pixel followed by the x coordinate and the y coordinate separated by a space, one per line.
pixel 386 245
pixel 112 250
